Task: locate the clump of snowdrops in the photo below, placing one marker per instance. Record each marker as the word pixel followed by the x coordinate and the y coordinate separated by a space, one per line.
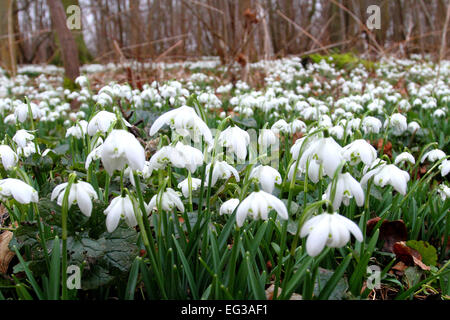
pixel 174 192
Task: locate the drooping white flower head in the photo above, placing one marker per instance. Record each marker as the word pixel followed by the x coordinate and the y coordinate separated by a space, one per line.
pixel 297 126
pixel 404 156
pixel 280 126
pixel 185 121
pixel 324 151
pixel 8 156
pixel 445 167
pixel 433 155
pixel 179 156
pixel 443 191
pixel 95 154
pixel 144 173
pixel 102 122
pixel 266 138
pixel 397 122
pixel 82 81
pixel 22 138
pixel 266 176
pixel 331 230
pixel 21 111
pixel 221 170
pixel 19 190
pixel 78 130
pixel 122 148
pixel 120 207
pixel 413 126
pixel 314 171
pixel 236 140
pixel 388 174
pixel 169 200
pixel 371 125
pixel 346 188
pixel 359 150
pixel 337 132
pixel 187 157
pixel 258 205
pixel 80 193
pixel 184 186
pixel 228 206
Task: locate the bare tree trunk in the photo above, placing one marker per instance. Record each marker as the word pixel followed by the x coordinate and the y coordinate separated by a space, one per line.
pixel 7 45
pixel 69 51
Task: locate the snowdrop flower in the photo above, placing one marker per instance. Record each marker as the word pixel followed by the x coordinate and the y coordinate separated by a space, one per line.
pixel 78 130
pixel 346 188
pixel 80 193
pixel 404 156
pixel 443 191
pixel 280 126
pixel 439 113
pixel 22 138
pixel 186 122
pixel 95 154
pixel 8 156
pixel 122 148
pixel 82 81
pixel 337 132
pixel 228 206
pixel 29 149
pixel 180 156
pixel 235 139
pixel 433 155
pixel 184 186
pixel 120 207
pixel 314 171
pixel 187 157
pixel 221 170
pixel 21 112
pixel 359 150
pixel 266 176
pixel 324 151
pixel 101 122
pixel 413 126
pixel 397 122
pixel 331 230
pixel 19 190
pixel 371 125
pixel 297 126
pixel 445 167
pixel 388 174
pixel 169 200
pixel 144 173
pixel 258 205
pixel 267 138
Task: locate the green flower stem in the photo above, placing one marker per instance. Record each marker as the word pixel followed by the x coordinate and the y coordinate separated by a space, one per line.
pixel 280 258
pixel 191 208
pixel 30 113
pixel 151 247
pixel 107 182
pixel 64 215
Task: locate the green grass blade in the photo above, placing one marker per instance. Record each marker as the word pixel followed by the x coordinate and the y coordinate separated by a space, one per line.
pixel 187 269
pixel 55 268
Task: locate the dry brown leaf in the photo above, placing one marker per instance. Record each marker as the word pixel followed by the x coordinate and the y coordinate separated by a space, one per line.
pixel 408 255
pixel 400 266
pixel 390 231
pixel 5 254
